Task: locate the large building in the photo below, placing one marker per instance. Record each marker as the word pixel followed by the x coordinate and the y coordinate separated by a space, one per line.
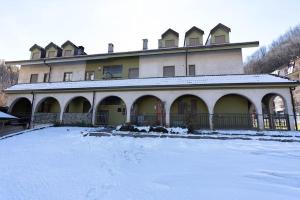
pixel 199 84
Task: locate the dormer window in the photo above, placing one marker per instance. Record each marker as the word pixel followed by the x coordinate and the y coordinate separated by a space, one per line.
pixel 51 54
pixel 194 42
pixel 68 52
pixel 220 39
pixel 170 43
pixel 35 55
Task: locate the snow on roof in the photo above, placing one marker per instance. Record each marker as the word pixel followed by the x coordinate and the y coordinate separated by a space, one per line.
pixel 6 116
pixel 156 82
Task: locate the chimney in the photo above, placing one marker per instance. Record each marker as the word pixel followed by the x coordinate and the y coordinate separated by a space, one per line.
pixel 80 50
pixel 145 44
pixel 110 48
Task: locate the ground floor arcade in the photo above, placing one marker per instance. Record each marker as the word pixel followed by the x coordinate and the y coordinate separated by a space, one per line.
pixel 226 108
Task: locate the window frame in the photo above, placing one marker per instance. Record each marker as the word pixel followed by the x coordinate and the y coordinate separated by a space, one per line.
pixel 31 78
pixel 68 50
pixel 189 68
pixel 196 40
pixel 113 75
pixel 46 77
pixel 48 54
pixel 70 77
pixel 131 69
pixel 89 79
pixel 219 36
pixel 170 43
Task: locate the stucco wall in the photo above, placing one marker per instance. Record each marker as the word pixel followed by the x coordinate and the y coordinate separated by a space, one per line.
pixel 26 71
pixel 78 70
pixel 219 32
pixel 206 63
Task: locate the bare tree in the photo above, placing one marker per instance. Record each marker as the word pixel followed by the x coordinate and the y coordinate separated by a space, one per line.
pixel 280 52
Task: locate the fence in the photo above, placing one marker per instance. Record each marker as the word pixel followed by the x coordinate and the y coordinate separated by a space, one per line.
pixel 276 121
pixel 77 118
pixel 147 120
pixel 235 121
pixel 195 120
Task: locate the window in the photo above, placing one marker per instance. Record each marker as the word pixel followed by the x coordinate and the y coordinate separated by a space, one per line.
pixel 67 52
pixel 33 78
pixel 133 73
pixel 68 76
pixel 35 55
pixel 46 77
pixel 220 39
pixel 90 75
pixel 194 41
pixel 170 43
pixel 51 54
pixel 114 71
pixel 169 71
pixel 192 71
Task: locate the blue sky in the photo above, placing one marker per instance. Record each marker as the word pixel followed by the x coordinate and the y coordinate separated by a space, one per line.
pixel 95 23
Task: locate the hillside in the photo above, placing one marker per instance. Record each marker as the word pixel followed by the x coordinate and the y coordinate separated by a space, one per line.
pixel 280 52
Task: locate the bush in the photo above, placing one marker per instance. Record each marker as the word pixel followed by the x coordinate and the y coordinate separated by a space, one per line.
pixel 158 129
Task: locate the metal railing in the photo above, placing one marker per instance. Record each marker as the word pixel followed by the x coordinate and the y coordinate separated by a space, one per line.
pixel 101 119
pixel 235 121
pixel 276 121
pixel 45 118
pixel 147 120
pixel 195 120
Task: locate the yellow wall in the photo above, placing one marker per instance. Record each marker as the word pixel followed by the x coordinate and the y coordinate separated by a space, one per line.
pixel 201 107
pixel 114 117
pixel 146 105
pixel 78 106
pixel 232 104
pixel 127 63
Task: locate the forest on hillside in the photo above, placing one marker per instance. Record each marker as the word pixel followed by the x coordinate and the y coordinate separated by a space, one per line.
pixel 280 52
pixel 8 77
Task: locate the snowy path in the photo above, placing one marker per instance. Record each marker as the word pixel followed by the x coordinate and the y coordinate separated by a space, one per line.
pixel 54 163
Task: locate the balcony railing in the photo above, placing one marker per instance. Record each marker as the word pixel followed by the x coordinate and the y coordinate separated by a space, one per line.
pixel 77 118
pixel 46 118
pixel 276 121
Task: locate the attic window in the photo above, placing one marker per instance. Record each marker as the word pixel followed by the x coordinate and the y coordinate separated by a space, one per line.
pixel 194 42
pixel 51 54
pixel 220 39
pixel 170 43
pixel 67 52
pixel 35 55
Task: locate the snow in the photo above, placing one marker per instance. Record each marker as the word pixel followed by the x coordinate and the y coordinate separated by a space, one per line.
pixel 6 116
pixel 152 82
pixel 252 132
pixel 59 163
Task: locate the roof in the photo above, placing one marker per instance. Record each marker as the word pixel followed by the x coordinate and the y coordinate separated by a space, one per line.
pixel 6 116
pixel 170 31
pixel 194 28
pixel 212 80
pixel 220 26
pixel 35 46
pixel 51 44
pixel 68 42
pixel 212 47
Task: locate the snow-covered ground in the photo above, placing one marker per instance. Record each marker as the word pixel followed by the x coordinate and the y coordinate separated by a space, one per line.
pixel 59 163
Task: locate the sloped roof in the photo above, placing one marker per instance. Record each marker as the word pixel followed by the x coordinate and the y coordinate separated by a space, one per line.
pixel 6 116
pixel 194 28
pixel 170 31
pixel 68 42
pixel 35 46
pixel 217 80
pixel 51 44
pixel 220 26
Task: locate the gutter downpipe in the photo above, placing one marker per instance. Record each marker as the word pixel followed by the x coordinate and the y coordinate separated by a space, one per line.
pixel 186 61
pixel 293 104
pixel 50 69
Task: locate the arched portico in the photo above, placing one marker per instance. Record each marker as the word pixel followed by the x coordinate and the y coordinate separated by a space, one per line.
pixel 234 111
pixel 47 111
pixel 275 114
pixel 148 110
pixel 110 111
pixel 189 111
pixel 77 111
pixel 21 108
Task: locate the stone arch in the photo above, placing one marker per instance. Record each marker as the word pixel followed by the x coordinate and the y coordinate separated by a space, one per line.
pixel 189 110
pixel 78 111
pixel 275 112
pixel 148 110
pixel 47 110
pixel 111 110
pixel 235 111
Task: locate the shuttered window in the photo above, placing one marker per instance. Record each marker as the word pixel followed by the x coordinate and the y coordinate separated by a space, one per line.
pixel 68 76
pixel 170 43
pixel 194 41
pixel 169 71
pixel 192 70
pixel 33 78
pixel 220 39
pixel 133 73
